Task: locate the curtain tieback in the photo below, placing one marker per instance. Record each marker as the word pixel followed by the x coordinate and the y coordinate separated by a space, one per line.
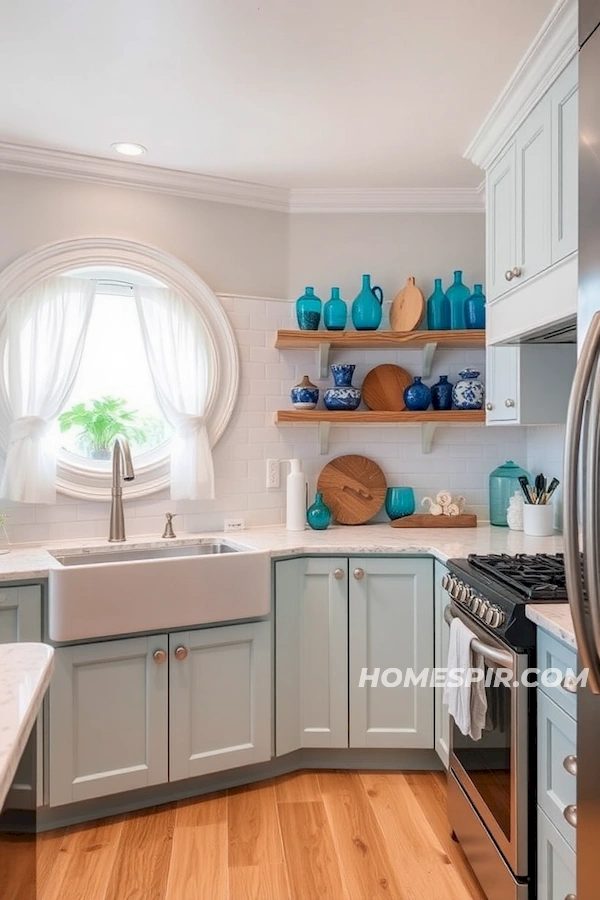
pixel 27 427
pixel 187 426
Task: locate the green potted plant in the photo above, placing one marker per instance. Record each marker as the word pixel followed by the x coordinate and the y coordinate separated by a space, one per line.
pixel 100 422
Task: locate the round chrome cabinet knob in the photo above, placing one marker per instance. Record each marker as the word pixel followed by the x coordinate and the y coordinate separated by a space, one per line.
pixel 181 653
pixel 570 814
pixel 489 406
pixel 359 574
pixel 509 403
pixel 570 764
pixel 513 273
pixel 338 574
pixel 159 657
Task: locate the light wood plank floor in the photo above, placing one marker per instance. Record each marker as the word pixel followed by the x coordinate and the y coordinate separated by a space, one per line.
pixel 306 836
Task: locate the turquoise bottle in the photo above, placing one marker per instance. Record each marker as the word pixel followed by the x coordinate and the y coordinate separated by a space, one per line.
pixel 318 515
pixel 457 293
pixel 366 309
pixel 475 308
pixel 308 310
pixel 438 309
pixel 335 312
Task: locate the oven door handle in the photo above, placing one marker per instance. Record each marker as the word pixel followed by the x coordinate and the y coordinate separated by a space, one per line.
pixel 491 654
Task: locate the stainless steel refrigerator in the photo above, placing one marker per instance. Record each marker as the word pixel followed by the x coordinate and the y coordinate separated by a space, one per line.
pixel 582 461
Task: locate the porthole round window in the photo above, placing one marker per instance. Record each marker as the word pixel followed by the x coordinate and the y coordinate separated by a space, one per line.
pixel 126 363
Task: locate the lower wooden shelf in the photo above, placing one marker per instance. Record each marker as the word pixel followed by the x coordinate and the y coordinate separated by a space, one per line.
pixel 428 420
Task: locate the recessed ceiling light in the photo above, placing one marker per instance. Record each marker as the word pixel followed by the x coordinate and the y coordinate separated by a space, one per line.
pixel 127 149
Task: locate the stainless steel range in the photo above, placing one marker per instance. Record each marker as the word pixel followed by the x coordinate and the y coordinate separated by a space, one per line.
pixel 491 782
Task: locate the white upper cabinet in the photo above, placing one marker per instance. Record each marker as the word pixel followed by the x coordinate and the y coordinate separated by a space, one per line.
pixel 564 104
pixel 533 183
pixel 501 240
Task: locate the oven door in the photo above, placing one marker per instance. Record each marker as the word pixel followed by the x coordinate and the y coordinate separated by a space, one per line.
pixel 494 770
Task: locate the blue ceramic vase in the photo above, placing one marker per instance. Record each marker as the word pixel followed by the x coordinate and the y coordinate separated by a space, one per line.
pixel 417 395
pixel 468 392
pixel 475 308
pixel 305 395
pixel 457 293
pixel 335 312
pixel 318 515
pixel 441 394
pixel 343 395
pixel 366 309
pixel 308 310
pixel 438 309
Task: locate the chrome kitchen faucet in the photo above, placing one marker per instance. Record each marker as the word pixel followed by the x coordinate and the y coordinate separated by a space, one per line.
pixel 122 466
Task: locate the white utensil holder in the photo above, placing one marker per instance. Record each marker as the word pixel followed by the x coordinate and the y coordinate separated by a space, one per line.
pixel 538 519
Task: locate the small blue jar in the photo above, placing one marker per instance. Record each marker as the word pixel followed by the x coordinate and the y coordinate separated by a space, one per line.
pixel 318 515
pixel 475 308
pixel 308 310
pixel 305 394
pixel 335 312
pixel 441 394
pixel 417 395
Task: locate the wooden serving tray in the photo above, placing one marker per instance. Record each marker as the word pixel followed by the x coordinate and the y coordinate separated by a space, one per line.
pixel 426 520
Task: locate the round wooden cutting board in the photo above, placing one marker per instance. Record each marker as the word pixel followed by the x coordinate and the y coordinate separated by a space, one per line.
pixel 353 488
pixel 408 307
pixel 384 386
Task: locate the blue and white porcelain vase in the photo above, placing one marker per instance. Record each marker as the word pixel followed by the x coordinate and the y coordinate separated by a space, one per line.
pixel 305 394
pixel 441 394
pixel 417 395
pixel 468 392
pixel 343 395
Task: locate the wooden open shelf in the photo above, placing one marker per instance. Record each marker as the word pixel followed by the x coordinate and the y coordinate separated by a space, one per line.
pixel 426 341
pixel 428 420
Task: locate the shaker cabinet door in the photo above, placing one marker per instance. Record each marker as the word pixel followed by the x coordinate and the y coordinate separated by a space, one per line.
pixel 391 628
pixel 108 718
pixel 534 185
pixel 502 385
pixel 500 222
pixel 311 653
pixel 220 699
pixel 442 638
pixel 565 162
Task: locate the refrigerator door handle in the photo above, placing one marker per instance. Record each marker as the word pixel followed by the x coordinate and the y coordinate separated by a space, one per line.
pixel 576 421
pixel 591 510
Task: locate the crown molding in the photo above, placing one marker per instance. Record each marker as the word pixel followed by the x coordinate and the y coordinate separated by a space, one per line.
pixel 393 200
pixel 139 176
pixel 76 166
pixel 553 47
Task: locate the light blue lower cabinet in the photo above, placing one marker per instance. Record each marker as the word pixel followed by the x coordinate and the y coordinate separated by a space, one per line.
pixel 311 653
pixel 556 740
pixel 556 863
pixel 220 699
pixel 108 708
pixel 391 628
pixel 442 637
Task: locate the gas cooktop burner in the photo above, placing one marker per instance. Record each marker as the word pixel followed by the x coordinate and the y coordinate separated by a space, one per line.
pixel 536 578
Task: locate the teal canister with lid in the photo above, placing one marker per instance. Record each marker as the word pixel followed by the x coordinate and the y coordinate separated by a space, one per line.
pixel 504 481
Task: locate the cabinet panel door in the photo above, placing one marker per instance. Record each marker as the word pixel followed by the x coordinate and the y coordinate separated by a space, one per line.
pixel 500 222
pixel 21 620
pixel 391 627
pixel 556 863
pixel 108 719
pixel 534 185
pixel 565 162
pixel 220 699
pixel 502 385
pixel 556 739
pixel 311 653
pixel 442 637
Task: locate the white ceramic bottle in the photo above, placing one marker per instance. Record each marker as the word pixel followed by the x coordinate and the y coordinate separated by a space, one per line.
pixel 295 519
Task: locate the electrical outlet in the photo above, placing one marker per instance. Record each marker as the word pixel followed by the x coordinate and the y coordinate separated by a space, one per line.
pixel 273 476
pixel 233 525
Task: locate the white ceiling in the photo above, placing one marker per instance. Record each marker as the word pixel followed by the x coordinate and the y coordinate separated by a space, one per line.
pixel 294 93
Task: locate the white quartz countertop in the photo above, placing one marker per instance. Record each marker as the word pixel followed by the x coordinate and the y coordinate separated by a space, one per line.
pixel 25 671
pixel 555 618
pixel 28 562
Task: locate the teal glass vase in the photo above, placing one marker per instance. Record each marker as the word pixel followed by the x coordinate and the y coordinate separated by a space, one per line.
pixel 318 515
pixel 438 309
pixel 335 312
pixel 367 306
pixel 308 310
pixel 475 308
pixel 504 481
pixel 457 294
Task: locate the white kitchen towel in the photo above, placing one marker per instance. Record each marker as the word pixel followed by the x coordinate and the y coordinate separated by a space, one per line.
pixel 465 698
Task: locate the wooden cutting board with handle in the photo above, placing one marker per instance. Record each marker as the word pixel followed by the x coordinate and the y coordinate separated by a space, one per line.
pixel 426 520
pixel 384 386
pixel 353 488
pixel 408 307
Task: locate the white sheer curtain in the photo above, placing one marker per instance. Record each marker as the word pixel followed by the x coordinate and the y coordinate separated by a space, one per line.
pixel 45 333
pixel 182 364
